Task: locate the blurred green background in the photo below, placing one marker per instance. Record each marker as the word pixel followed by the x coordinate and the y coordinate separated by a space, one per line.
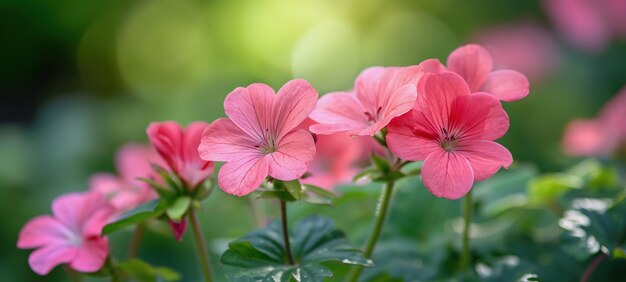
pixel 80 78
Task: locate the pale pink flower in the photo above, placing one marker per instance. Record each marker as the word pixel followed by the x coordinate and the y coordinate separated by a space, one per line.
pixel 260 136
pixel 179 148
pixel 475 65
pixel 453 132
pixel 379 95
pixel 523 46
pixel 600 136
pixel 125 191
pixel 72 235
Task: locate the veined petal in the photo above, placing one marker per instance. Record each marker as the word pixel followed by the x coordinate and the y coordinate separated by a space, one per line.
pixel 485 157
pixel 473 63
pixel 193 169
pixel 447 174
pixel 295 151
pixel 166 137
pixel 400 102
pixel 292 105
pixel 408 143
pixel 250 109
pixel 479 116
pixel 42 230
pixel 224 141
pixel 436 94
pixel 432 66
pixel 242 176
pixel 45 259
pixel 91 255
pixel 368 88
pixel 507 85
pixel 338 112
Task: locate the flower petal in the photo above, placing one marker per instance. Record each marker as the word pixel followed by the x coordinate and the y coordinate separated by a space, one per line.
pixel 91 255
pixel 447 174
pixel 436 94
pixel 479 116
pixel 133 161
pixel 408 143
pixel 45 259
pixel 473 63
pixel 295 151
pixel 338 112
pixel 292 105
pixel 485 157
pixel 74 210
pixel 166 137
pixel 224 141
pixel 40 231
pixel 193 169
pixel 368 87
pixel 589 138
pixel 250 109
pixel 243 175
pixel 507 85
pixel 432 66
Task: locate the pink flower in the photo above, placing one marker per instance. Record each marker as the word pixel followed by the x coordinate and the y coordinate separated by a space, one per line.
pixel 260 136
pixel 380 94
pixel 601 136
pixel 475 65
pixel 71 235
pixel 523 46
pixel 179 148
pixel 454 133
pixel 124 190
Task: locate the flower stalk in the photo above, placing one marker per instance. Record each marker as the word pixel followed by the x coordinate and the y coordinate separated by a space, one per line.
pixel 135 242
pixel 467 214
pixel 283 217
pixel 201 248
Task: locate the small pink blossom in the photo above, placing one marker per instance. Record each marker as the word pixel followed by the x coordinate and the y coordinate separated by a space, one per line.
pixel 600 136
pixel 179 148
pixel 260 136
pixel 379 95
pixel 178 228
pixel 453 132
pixel 72 235
pixel 475 65
pixel 124 190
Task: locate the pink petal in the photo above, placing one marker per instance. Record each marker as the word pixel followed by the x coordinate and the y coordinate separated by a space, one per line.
pixel 473 63
pixel 368 88
pixel 436 94
pixel 193 169
pixel 338 112
pixel 45 259
pixel 589 138
pixel 133 161
pixel 294 153
pixel 224 141
pixel 74 210
pixel 432 66
pixel 178 228
pixel 581 21
pixel 167 138
pixel 251 109
pixel 405 142
pixel 242 176
pixel 42 230
pixel 479 116
pixel 91 255
pixel 485 157
pixel 447 174
pixel 507 85
pixel 292 105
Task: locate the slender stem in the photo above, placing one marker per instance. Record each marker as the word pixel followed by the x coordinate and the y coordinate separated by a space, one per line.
pixel 381 214
pixel 73 274
pixel 201 248
pixel 135 242
pixel 115 276
pixel 283 217
pixel 467 216
pixel 592 267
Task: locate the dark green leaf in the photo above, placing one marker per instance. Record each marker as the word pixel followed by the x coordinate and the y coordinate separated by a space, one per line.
pixel 140 214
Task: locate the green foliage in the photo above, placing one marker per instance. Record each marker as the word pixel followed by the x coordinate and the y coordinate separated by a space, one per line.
pixel 139 270
pixel 291 191
pixel 260 255
pixel 149 210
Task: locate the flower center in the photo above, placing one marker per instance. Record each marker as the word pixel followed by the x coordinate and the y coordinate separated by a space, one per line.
pixel 449 141
pixel 372 118
pixel 268 145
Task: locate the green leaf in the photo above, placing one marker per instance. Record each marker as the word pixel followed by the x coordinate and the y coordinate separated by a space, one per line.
pixel 294 187
pixel 317 195
pixel 260 255
pixel 159 188
pixel 142 271
pixel 140 214
pixel 399 259
pixel 381 164
pixel 178 208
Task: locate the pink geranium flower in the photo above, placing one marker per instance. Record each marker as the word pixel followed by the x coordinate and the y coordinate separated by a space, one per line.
pixel 600 136
pixel 71 235
pixel 260 136
pixel 453 132
pixel 380 94
pixel 179 148
pixel 475 65
pixel 125 191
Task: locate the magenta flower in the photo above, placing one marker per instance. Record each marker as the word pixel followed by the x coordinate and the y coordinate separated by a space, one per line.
pixel 475 65
pixel 380 94
pixel 125 191
pixel 453 132
pixel 71 235
pixel 179 148
pixel 260 136
pixel 600 136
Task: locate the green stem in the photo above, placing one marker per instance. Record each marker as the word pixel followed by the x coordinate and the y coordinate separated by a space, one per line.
pixel 283 217
pixel 467 216
pixel 115 276
pixel 73 274
pixel 201 248
pixel 381 214
pixel 135 242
